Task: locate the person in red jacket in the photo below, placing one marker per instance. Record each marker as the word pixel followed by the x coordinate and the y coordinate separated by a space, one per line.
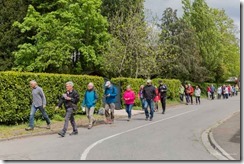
pixel 191 92
pixel 156 99
pixel 129 98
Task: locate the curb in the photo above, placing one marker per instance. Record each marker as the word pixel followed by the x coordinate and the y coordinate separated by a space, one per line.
pixel 212 146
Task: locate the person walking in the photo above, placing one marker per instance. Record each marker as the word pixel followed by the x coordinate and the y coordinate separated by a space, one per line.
pixel 110 99
pixel 237 89
pixel 226 92
pixel 212 90
pixel 140 96
pixel 156 99
pixel 187 93
pixel 191 89
pixel 129 98
pixel 38 102
pixel 209 92
pixel 181 93
pixel 219 92
pixel 89 103
pixel 197 95
pixel 148 95
pixel 70 99
pixel 162 89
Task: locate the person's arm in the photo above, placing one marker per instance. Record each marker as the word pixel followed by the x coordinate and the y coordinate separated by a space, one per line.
pixel 114 94
pixel 96 97
pixel 44 101
pixel 154 93
pixel 60 103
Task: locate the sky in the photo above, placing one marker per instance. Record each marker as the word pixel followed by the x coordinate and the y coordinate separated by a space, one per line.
pixel 232 7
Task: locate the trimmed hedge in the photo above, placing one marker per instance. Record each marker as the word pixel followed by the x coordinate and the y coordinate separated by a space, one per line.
pixel 15 93
pixel 172 84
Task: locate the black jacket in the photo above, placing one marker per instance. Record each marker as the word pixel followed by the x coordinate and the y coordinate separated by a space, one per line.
pixel 69 103
pixel 162 90
pixel 149 92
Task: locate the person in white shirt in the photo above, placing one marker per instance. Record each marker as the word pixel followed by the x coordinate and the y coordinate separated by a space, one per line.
pixel 197 94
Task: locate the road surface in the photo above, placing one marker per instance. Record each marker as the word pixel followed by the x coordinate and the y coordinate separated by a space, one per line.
pixel 173 136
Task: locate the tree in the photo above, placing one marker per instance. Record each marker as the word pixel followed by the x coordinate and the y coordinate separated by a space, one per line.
pixel 180 58
pixel 69 39
pixel 10 37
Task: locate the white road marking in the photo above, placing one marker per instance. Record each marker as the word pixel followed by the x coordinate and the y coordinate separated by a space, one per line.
pixel 87 150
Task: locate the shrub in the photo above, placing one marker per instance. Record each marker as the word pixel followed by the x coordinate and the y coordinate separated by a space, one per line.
pixel 15 95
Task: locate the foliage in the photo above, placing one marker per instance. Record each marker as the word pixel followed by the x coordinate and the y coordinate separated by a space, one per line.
pixel 15 93
pixel 68 39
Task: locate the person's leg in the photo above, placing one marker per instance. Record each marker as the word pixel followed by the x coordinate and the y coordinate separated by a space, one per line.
pixel 127 106
pixel 44 114
pixel 107 115
pixel 112 108
pixel 196 100
pixel 91 113
pixel 146 109
pixel 199 100
pixel 164 104
pixel 32 116
pixel 67 118
pixel 151 106
pixel 72 121
pixel 129 110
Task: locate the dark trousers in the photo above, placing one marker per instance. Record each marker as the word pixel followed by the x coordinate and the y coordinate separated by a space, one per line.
pixel 191 99
pixel 182 97
pixel 69 116
pixel 187 98
pixel 197 99
pixel 212 95
pixel 163 101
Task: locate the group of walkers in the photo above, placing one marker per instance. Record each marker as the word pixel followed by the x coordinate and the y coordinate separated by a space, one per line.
pixel 189 91
pixel 148 94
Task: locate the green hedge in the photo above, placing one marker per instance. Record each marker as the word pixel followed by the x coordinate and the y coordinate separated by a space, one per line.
pixel 15 93
pixel 173 86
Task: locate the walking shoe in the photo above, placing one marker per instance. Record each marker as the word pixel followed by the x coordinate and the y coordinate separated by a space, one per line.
pixel 111 122
pixel 61 133
pixel 146 119
pixel 74 133
pixel 128 119
pixel 48 126
pixel 106 121
pixel 29 128
pixel 150 119
pixel 89 126
pixel 162 112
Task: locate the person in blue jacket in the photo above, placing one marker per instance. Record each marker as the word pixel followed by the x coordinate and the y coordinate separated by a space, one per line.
pixel 89 102
pixel 110 99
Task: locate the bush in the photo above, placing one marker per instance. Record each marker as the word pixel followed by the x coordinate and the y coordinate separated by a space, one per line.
pixel 172 84
pixel 15 95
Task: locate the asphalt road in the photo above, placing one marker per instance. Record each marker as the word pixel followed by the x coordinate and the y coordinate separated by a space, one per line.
pixel 173 136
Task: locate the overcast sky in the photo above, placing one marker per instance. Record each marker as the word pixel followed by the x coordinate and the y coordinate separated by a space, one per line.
pixel 232 7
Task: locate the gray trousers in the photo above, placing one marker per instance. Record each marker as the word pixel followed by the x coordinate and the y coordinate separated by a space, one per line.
pixel 69 116
pixel 89 114
pixel 111 107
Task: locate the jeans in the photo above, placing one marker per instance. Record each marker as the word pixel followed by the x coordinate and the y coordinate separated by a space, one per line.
pixel 89 114
pixel 32 115
pixel 69 116
pixel 187 98
pixel 128 108
pixel 149 103
pixel 111 107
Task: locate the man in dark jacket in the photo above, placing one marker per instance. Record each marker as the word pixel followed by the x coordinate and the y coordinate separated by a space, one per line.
pixel 70 100
pixel 149 94
pixel 162 90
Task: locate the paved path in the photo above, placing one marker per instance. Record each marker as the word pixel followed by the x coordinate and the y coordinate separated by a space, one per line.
pixel 227 136
pixel 173 136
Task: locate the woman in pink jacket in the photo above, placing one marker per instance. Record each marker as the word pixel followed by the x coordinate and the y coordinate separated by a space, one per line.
pixel 129 98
